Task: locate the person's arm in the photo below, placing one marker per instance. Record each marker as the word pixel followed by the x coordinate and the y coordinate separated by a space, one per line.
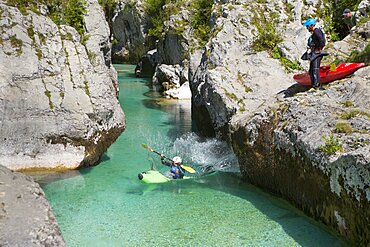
pixel 165 162
pixel 182 170
pixel 319 40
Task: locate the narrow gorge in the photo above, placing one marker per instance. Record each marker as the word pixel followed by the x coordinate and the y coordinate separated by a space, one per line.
pixel 233 59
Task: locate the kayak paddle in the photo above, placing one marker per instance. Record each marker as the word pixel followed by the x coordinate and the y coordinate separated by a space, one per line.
pixel 186 168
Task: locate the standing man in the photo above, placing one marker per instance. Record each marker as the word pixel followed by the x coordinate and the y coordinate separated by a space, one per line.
pixel 350 18
pixel 315 43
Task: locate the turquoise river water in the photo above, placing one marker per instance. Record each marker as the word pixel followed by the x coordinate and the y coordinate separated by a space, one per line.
pixel 107 205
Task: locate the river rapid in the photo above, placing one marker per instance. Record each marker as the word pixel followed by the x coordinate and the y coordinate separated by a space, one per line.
pixel 107 205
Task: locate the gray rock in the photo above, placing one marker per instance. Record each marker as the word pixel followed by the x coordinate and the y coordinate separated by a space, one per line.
pixel 172 80
pixel 26 218
pixel 58 103
pixel 129 31
pixel 276 128
pixel 285 145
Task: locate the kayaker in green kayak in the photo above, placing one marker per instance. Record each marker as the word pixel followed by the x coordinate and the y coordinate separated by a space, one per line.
pixel 176 171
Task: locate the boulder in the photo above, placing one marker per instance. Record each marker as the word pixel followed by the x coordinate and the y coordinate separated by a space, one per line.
pixel 26 218
pixel 172 80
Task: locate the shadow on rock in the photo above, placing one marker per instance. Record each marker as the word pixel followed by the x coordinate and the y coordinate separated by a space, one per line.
pixel 293 90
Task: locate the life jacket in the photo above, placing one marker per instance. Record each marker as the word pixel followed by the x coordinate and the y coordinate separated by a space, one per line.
pixel 321 42
pixel 177 172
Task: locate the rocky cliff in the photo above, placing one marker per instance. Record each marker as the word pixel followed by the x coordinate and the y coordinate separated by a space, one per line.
pixel 311 148
pixel 168 55
pixel 58 102
pixel 25 215
pixel 130 29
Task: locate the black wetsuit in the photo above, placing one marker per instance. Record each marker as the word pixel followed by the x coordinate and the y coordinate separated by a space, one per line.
pixel 316 42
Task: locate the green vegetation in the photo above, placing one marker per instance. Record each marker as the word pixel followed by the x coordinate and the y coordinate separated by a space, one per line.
pixel 31 33
pixel 363 56
pixel 17 44
pixel 109 7
pixel 160 11
pixel 69 12
pixel 42 38
pixel 84 39
pixel 180 26
pixel 92 56
pixel 331 146
pixel 350 114
pixel 38 53
pixel 289 9
pixel 288 65
pixel 354 113
pixel 240 77
pixel 87 88
pixel 200 19
pixel 343 127
pixel 363 20
pixel 359 143
pixel 241 105
pixel 48 94
pixel 267 37
pixel 347 103
pixel 248 89
pixel 333 18
pixel 231 96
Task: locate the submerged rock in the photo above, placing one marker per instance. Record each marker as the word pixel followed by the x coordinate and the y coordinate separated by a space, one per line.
pixel 26 218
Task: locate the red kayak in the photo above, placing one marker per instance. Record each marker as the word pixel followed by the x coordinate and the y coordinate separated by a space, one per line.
pixel 327 75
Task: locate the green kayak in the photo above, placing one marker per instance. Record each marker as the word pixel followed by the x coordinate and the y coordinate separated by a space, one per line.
pixel 155 177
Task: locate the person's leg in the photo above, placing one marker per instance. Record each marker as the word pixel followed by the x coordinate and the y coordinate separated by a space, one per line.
pixel 310 72
pixel 315 79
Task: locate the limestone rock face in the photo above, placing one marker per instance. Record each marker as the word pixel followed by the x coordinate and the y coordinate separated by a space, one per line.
pixel 177 49
pixel 172 79
pixel 26 218
pixel 283 138
pixel 130 33
pixel 58 102
pixel 233 80
pixel 286 150
pixel 174 46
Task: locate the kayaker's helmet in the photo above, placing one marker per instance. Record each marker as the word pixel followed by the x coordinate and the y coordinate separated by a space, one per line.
pixel 176 160
pixel 309 22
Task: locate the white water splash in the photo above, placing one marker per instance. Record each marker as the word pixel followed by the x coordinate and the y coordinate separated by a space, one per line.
pixel 206 153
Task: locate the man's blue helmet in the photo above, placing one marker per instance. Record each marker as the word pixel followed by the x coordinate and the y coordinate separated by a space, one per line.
pixel 309 22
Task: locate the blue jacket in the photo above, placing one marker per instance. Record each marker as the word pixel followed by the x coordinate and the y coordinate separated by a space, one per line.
pixel 176 170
